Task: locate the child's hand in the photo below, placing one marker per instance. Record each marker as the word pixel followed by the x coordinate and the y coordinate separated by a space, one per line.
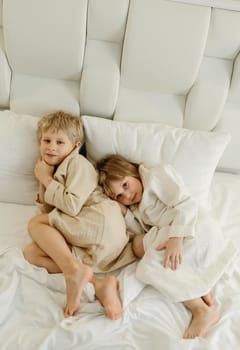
pixel 173 254
pixel 43 172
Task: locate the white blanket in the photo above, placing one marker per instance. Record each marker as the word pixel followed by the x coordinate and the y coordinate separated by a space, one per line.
pixel 206 258
pixel 32 301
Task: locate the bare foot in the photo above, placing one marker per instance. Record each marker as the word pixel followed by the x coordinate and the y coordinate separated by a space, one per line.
pixel 106 290
pixel 75 282
pixel 202 321
pixel 208 299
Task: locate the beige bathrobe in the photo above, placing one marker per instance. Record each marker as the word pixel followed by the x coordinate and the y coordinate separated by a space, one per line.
pixel 167 210
pixel 91 222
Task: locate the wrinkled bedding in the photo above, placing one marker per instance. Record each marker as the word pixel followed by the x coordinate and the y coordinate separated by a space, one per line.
pixel 32 301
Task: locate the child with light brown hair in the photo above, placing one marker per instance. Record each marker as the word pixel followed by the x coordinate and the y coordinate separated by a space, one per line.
pixel 80 231
pixel 173 224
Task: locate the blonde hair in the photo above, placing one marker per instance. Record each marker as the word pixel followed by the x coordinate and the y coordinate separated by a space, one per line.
pixel 63 121
pixel 114 168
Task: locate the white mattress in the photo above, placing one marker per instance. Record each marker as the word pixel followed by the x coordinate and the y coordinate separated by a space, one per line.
pixel 32 301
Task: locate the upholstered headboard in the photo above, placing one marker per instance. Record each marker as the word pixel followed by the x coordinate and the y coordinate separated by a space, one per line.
pixel 175 62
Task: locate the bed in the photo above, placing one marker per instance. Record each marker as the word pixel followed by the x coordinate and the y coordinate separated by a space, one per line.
pixel 158 92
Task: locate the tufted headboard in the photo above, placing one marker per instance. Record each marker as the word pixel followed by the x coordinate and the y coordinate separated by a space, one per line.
pixel 170 61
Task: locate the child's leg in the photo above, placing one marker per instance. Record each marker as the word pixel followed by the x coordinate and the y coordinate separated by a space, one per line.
pixel 137 245
pixel 203 318
pixel 106 289
pixel 36 256
pixel 107 292
pixel 76 274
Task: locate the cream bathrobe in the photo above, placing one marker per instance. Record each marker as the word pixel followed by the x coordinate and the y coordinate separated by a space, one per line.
pixel 167 210
pixel 91 222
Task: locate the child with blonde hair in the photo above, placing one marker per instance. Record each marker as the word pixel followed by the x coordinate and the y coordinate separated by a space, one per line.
pixel 183 252
pixel 80 231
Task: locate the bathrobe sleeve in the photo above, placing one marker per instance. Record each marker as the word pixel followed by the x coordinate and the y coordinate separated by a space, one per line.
pixel 73 182
pixel 166 201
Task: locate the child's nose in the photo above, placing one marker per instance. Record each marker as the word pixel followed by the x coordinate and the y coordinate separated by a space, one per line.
pixel 128 195
pixel 51 145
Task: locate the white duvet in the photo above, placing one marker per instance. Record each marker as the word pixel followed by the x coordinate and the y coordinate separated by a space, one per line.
pixel 32 301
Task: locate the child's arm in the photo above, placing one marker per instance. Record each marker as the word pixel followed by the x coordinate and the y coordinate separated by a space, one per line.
pixel 173 204
pixel 40 201
pixel 72 185
pixel 173 207
pixel 44 173
pixel 41 192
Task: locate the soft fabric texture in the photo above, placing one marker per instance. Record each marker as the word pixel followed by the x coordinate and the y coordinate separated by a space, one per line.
pixel 18 154
pixel 168 211
pixel 149 321
pixel 90 221
pixel 194 154
pixel 204 262
pixel 165 202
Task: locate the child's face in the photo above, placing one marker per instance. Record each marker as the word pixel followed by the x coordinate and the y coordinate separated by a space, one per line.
pixel 127 191
pixel 55 147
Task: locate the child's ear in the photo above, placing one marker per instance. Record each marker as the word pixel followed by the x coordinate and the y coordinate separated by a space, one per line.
pixel 78 144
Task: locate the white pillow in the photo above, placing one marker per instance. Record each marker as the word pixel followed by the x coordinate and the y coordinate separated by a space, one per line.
pixel 194 154
pixel 18 154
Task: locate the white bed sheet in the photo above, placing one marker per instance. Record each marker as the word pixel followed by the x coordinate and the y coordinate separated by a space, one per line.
pixel 32 301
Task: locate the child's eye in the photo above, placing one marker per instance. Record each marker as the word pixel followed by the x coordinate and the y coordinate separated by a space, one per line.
pixel 46 140
pixel 60 142
pixel 118 196
pixel 125 185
